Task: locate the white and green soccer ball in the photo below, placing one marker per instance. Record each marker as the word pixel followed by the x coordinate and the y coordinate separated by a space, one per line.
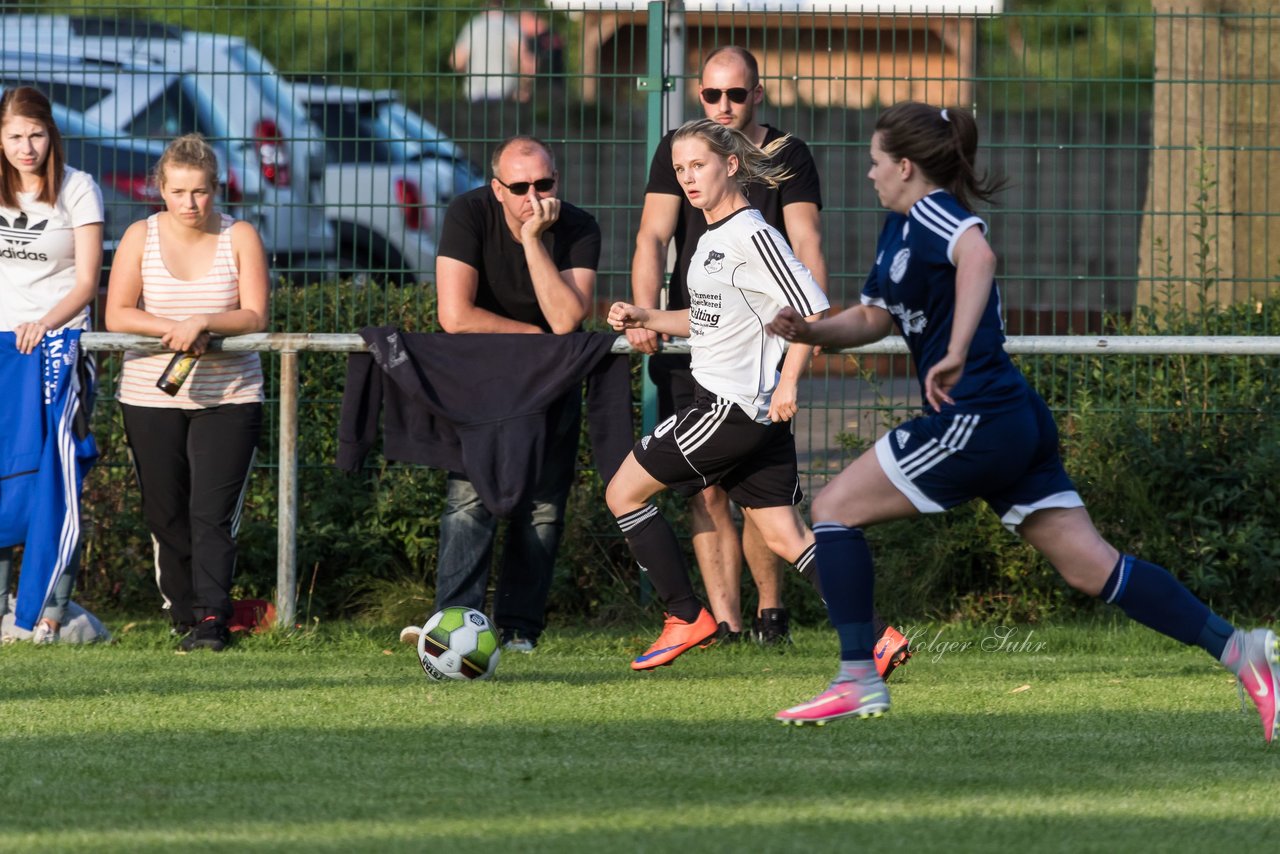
pixel 458 643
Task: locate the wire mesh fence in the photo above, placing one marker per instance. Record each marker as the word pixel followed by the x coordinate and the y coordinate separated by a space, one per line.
pixel 1138 144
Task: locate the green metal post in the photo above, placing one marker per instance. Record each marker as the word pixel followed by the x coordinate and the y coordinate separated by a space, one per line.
pixel 654 84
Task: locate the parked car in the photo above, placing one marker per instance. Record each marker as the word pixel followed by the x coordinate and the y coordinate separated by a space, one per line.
pixel 169 81
pixel 389 176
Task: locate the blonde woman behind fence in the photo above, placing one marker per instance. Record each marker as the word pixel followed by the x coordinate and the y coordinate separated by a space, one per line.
pixel 188 273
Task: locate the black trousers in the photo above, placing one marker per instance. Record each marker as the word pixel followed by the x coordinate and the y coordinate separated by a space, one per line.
pixel 193 469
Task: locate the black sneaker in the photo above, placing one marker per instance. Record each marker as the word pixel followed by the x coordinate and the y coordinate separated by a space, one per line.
pixel 513 640
pixel 726 635
pixel 773 627
pixel 209 634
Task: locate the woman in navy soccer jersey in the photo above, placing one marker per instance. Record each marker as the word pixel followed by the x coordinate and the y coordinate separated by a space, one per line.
pixel 735 433
pixel 985 433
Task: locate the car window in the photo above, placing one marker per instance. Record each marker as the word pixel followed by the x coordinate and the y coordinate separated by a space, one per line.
pixel 351 135
pixel 171 114
pixel 421 138
pixel 74 96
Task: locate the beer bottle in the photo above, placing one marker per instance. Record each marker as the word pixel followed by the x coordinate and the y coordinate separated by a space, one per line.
pixel 176 373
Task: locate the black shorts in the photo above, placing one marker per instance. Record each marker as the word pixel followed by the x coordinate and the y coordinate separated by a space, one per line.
pixel 714 442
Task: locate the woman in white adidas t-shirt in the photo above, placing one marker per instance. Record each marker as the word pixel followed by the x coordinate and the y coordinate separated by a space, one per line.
pixel 185 274
pixel 735 433
pixel 50 259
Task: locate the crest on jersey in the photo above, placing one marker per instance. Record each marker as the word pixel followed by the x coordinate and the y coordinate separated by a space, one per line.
pixel 898 268
pixel 712 264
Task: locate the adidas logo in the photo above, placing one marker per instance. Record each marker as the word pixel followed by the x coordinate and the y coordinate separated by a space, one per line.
pixel 903 437
pixel 19 232
pixel 644 443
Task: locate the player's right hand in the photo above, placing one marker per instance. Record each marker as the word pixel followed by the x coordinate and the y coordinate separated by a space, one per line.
pixel 624 315
pixel 789 325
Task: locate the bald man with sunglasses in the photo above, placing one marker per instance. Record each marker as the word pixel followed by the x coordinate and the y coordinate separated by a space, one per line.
pixel 729 91
pixel 514 258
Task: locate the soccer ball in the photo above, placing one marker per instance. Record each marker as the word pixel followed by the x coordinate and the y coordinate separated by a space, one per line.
pixel 458 643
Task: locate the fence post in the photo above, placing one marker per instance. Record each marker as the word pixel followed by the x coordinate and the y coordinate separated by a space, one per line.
pixel 287 491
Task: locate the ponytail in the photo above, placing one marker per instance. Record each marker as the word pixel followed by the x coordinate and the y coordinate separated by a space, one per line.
pixel 942 143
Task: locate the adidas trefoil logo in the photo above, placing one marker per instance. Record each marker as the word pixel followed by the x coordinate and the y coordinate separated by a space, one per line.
pixel 20 232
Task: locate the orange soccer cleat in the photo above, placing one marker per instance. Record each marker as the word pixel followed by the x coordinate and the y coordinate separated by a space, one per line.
pixel 891 651
pixel 678 637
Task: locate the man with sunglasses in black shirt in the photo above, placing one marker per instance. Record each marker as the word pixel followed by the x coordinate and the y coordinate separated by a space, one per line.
pixel 513 258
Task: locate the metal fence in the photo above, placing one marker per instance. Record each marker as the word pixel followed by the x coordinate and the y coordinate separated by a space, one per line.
pixel 1144 180
pixel 1139 145
pixel 289 345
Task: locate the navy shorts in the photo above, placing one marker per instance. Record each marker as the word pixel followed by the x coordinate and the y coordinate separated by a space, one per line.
pixel 714 442
pixel 1008 459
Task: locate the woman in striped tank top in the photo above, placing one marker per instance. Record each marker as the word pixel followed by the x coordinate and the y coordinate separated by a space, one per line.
pixel 183 275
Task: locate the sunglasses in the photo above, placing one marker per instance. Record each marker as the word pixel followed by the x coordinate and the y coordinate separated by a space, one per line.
pixel 542 185
pixel 738 96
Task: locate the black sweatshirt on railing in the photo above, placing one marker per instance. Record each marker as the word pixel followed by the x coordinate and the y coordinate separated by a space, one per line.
pixel 477 404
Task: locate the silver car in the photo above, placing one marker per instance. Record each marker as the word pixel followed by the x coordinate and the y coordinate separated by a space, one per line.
pixel 390 174
pixel 169 82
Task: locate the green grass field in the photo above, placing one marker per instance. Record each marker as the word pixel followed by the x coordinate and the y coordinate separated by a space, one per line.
pixel 334 740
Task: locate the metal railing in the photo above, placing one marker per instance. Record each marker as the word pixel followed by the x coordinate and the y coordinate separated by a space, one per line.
pixel 289 344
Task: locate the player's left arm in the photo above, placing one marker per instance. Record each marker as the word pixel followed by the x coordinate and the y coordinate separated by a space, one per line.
pixel 794 287
pixel 975 276
pixel 784 403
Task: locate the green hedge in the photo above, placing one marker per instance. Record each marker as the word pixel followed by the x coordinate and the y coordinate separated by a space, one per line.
pixel 1176 456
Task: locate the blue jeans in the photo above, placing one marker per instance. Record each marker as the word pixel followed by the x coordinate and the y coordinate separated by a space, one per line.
pixel 54 609
pixel 467 531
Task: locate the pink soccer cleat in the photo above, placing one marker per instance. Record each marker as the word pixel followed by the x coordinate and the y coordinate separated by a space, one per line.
pixel 867 697
pixel 1254 657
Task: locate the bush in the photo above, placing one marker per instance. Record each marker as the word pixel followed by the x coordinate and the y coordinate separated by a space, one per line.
pixel 1176 456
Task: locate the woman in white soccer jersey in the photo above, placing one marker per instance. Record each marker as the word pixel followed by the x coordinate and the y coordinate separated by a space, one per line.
pixel 735 433
pixel 984 433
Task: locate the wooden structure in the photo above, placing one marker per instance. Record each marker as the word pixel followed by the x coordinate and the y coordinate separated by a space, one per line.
pixel 826 54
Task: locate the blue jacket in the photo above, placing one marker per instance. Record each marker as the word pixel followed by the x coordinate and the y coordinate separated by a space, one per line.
pixel 45 452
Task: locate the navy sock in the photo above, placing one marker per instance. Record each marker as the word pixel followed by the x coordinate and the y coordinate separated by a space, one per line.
pixel 848 580
pixel 653 544
pixel 1214 636
pixel 1153 597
